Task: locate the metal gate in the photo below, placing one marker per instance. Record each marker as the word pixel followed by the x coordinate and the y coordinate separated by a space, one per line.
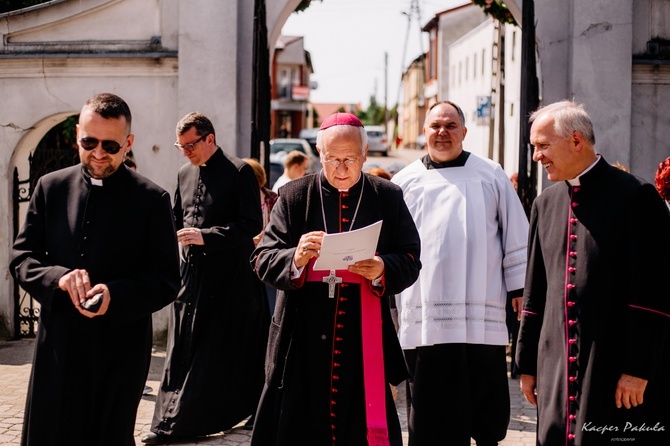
pixel 26 310
pixel 55 151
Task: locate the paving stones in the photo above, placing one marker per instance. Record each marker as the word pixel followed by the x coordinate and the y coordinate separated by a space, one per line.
pixel 15 365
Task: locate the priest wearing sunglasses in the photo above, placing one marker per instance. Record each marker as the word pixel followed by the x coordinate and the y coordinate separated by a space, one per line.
pixel 98 251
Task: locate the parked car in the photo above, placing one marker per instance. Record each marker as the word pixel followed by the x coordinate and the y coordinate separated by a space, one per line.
pixel 378 143
pixel 421 142
pixel 276 170
pixel 280 147
pixel 310 136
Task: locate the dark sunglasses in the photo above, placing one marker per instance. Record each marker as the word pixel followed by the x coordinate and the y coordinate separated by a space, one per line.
pixel 111 147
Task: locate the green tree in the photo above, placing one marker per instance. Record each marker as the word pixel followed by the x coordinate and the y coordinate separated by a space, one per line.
pixel 374 115
pixel 304 4
pixel 496 9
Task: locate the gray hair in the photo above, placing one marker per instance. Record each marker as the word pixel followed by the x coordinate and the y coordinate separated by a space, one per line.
pixel 364 138
pixel 568 117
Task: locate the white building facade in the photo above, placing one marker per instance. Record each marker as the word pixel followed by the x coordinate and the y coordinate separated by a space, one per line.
pixel 171 57
pixel 474 83
pixel 474 61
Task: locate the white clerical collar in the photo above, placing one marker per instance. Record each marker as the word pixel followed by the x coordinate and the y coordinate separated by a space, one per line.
pixel 323 175
pixel 358 205
pixel 575 181
pixel 355 183
pixel 96 182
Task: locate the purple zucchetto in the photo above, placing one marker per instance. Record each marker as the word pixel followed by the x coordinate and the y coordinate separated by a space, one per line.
pixel 340 119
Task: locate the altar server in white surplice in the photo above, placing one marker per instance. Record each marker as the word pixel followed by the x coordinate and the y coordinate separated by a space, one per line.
pixel 452 320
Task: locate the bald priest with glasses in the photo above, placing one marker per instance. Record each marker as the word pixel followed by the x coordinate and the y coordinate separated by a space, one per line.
pixel 332 348
pixel 98 251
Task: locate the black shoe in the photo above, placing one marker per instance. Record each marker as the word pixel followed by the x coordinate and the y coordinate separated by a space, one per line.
pixel 152 438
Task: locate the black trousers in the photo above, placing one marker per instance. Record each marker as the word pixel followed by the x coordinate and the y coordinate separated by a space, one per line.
pixel 458 392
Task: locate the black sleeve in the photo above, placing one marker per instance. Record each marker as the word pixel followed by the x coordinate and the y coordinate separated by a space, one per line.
pixel 30 264
pixel 249 218
pixel 534 298
pixel 647 245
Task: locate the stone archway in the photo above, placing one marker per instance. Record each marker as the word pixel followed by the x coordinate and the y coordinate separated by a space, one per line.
pixel 278 12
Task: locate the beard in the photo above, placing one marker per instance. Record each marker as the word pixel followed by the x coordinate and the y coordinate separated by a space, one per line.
pixel 99 172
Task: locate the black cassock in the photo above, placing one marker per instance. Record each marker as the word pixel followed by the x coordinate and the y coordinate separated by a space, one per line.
pixel 596 305
pixel 314 391
pixel 218 328
pixel 88 374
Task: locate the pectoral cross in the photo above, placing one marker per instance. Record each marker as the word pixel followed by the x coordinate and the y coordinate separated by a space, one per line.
pixel 331 280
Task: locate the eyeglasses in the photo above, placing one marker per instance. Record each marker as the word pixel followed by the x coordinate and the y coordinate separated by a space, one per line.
pixel 111 147
pixel 189 147
pixel 336 163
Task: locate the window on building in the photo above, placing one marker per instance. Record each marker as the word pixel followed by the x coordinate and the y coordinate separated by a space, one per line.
pixel 433 58
pixel 284 83
pixel 513 44
pixel 474 66
pixel 296 76
pixel 483 60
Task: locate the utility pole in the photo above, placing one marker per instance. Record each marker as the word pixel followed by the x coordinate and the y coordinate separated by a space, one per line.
pixel 414 10
pixel 404 55
pixel 495 82
pixel 386 93
pixel 501 97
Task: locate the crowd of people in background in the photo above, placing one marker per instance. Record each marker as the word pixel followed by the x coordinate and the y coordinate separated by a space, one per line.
pixel 295 166
pixel 460 279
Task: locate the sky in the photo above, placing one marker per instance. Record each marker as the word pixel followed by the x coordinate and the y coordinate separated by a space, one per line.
pixel 348 39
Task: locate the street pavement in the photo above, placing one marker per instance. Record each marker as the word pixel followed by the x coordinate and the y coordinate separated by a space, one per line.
pixel 15 365
pixel 396 158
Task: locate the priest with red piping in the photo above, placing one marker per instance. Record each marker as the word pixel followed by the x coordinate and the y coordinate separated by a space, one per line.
pixel 333 350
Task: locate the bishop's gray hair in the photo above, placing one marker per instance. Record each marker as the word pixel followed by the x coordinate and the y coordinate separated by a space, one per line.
pixel 364 139
pixel 568 117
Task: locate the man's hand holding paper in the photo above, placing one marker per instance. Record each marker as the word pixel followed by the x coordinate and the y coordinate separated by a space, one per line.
pixel 351 249
pixel 308 247
pixel 370 269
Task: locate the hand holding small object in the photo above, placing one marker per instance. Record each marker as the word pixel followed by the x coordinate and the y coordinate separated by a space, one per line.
pixel 93 304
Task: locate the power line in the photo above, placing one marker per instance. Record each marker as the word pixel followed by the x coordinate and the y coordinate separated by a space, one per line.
pixel 414 11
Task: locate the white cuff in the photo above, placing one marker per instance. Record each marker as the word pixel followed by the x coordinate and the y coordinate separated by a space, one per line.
pixel 295 271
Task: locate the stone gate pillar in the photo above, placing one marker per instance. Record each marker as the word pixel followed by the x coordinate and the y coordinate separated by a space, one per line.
pixel 215 42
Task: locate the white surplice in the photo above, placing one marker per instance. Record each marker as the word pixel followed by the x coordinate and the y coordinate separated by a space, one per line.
pixel 473 250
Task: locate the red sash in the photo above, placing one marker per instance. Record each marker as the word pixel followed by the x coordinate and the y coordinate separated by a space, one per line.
pixel 373 355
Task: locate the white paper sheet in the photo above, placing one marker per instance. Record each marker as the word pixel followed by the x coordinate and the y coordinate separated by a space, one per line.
pixel 346 248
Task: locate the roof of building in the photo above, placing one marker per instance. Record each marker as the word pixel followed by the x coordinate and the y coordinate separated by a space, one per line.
pixel 323 110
